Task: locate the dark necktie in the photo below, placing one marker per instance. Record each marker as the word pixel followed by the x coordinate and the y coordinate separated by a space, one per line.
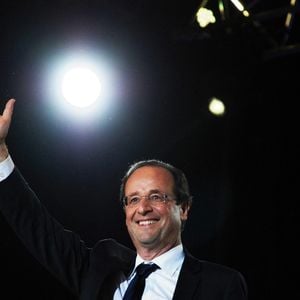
pixel 136 287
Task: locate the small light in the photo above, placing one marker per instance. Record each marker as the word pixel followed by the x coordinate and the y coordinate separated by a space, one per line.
pixel 246 13
pixel 216 107
pixel 238 5
pixel 205 16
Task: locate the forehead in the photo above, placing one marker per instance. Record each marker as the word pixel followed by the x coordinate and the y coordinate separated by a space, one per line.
pixel 150 177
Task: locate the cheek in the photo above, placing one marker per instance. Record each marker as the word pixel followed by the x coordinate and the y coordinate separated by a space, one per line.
pixel 128 216
pixel 172 215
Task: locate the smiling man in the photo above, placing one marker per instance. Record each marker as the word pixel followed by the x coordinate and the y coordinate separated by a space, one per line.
pixel 156 201
pixel 153 216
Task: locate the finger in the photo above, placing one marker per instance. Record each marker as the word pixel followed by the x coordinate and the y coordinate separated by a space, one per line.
pixel 8 110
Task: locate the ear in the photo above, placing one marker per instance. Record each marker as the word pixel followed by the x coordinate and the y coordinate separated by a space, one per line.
pixel 184 210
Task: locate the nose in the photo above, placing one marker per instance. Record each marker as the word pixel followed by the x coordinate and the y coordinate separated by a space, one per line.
pixel 144 206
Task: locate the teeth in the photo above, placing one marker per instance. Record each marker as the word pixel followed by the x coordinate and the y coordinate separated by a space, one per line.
pixel 148 222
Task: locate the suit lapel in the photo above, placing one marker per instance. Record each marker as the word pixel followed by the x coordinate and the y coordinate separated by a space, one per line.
pixel 110 259
pixel 189 279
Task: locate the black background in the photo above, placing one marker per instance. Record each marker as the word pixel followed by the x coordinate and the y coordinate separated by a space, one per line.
pixel 168 69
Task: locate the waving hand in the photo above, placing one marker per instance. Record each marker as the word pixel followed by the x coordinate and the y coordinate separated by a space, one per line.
pixel 5 121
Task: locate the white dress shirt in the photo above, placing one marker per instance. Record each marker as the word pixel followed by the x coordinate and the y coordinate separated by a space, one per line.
pixel 161 283
pixel 6 168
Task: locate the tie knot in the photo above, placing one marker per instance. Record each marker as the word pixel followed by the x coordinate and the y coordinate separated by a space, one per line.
pixel 143 270
pixel 136 287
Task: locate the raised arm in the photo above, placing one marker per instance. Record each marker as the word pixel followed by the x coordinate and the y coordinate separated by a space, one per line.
pixel 5 121
pixel 60 251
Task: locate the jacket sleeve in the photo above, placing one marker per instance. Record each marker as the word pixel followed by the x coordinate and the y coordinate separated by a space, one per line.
pixel 60 251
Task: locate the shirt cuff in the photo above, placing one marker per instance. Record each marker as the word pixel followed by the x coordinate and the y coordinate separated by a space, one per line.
pixel 6 168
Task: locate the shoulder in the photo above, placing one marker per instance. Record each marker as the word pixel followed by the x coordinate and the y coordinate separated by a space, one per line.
pixel 111 248
pixel 212 280
pixel 207 266
pixel 212 272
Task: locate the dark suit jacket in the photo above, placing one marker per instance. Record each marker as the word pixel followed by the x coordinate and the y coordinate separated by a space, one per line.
pixel 91 273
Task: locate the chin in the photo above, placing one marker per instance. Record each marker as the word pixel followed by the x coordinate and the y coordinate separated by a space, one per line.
pixel 147 241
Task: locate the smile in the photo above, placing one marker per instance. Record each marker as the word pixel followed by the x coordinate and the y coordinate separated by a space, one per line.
pixel 146 222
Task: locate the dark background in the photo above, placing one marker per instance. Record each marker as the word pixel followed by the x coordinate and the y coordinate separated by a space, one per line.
pixel 168 68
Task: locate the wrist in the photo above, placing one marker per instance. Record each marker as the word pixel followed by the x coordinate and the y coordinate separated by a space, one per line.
pixel 3 152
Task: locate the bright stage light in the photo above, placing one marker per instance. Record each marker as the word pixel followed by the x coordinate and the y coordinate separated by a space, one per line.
pixel 81 87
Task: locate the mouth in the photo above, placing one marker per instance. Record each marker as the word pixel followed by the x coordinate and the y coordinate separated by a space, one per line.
pixel 146 222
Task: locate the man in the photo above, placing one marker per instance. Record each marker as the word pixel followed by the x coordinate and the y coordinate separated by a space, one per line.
pixel 156 202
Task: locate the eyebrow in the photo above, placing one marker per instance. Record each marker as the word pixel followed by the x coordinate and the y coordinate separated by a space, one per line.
pixel 150 192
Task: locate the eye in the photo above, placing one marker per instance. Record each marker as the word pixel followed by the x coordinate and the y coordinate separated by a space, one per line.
pixel 156 197
pixel 133 200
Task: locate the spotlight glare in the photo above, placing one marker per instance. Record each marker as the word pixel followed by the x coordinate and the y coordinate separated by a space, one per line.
pixel 81 87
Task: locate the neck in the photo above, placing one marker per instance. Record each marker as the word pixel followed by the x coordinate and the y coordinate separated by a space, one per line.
pixel 148 253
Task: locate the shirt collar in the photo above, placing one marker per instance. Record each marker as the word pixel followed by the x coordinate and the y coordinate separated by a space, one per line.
pixel 168 262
